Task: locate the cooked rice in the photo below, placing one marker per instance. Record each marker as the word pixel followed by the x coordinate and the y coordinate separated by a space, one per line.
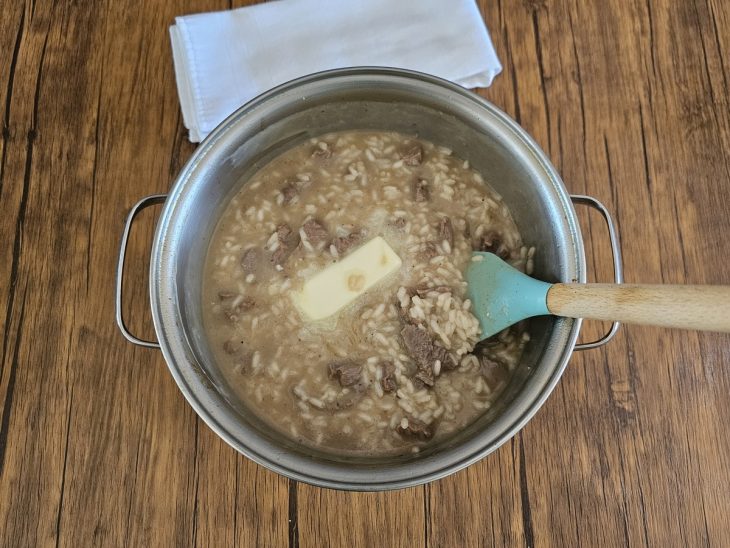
pixel 281 368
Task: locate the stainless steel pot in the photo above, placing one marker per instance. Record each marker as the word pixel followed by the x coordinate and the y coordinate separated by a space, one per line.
pixel 362 98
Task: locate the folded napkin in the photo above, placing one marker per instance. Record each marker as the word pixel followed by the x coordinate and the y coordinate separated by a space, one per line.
pixel 224 59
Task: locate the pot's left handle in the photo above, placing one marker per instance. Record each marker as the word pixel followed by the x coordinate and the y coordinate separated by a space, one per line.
pixel 137 208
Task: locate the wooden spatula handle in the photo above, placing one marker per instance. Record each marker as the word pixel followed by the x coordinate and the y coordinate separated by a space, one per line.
pixel 683 306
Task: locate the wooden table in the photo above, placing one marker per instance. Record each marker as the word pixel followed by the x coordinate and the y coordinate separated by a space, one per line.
pixel 631 100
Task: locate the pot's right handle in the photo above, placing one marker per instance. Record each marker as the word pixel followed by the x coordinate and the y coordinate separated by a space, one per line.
pixel 618 269
pixel 137 208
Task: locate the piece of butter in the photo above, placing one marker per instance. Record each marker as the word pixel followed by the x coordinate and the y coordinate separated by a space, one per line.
pixel 338 285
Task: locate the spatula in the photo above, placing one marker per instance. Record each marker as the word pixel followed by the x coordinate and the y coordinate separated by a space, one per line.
pixel 502 295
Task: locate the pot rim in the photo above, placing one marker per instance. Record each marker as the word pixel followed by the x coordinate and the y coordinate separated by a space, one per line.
pixel 211 406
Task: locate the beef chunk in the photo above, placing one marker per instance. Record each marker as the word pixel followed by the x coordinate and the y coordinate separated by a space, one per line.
pixel 415 429
pixel 387 381
pixel 413 156
pixel 321 153
pixel 281 254
pixel 250 260
pixel 288 242
pixel 290 191
pixel 492 243
pixel 423 378
pixel 347 372
pixel 493 371
pixel 418 344
pixel 424 350
pixel 283 232
pixel 446 231
pixel 420 190
pixel 345 243
pixel 316 233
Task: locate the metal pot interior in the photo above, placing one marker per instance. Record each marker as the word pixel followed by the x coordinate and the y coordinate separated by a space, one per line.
pixel 378 99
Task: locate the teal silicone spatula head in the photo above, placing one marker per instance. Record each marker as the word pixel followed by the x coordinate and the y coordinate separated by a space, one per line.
pixel 502 295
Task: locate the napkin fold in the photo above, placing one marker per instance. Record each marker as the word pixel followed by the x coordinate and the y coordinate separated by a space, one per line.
pixel 224 59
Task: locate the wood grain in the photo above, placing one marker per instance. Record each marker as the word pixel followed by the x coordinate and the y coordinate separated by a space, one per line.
pixel 630 98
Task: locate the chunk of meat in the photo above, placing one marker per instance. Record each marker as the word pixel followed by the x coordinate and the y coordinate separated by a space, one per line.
pixel 387 381
pixel 316 233
pixel 413 156
pixel 420 190
pixel 493 371
pixel 424 378
pixel 290 192
pixel 424 350
pixel 281 254
pixel 347 372
pixel 446 231
pixel 492 243
pixel 250 260
pixel 283 232
pixel 415 429
pixel 345 243
pixel 288 242
pixel 418 344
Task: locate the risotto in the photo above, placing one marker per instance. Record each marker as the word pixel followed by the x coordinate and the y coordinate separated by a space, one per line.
pixel 401 365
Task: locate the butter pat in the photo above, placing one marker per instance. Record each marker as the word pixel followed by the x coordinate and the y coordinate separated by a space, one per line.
pixel 338 285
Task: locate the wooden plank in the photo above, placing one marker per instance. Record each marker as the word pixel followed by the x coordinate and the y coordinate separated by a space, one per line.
pixel 37 343
pixel 337 518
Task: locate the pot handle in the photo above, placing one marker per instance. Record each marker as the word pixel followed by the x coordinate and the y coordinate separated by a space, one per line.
pixel 618 269
pixel 138 207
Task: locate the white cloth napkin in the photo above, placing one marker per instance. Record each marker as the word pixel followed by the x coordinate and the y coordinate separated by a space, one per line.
pixel 224 59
